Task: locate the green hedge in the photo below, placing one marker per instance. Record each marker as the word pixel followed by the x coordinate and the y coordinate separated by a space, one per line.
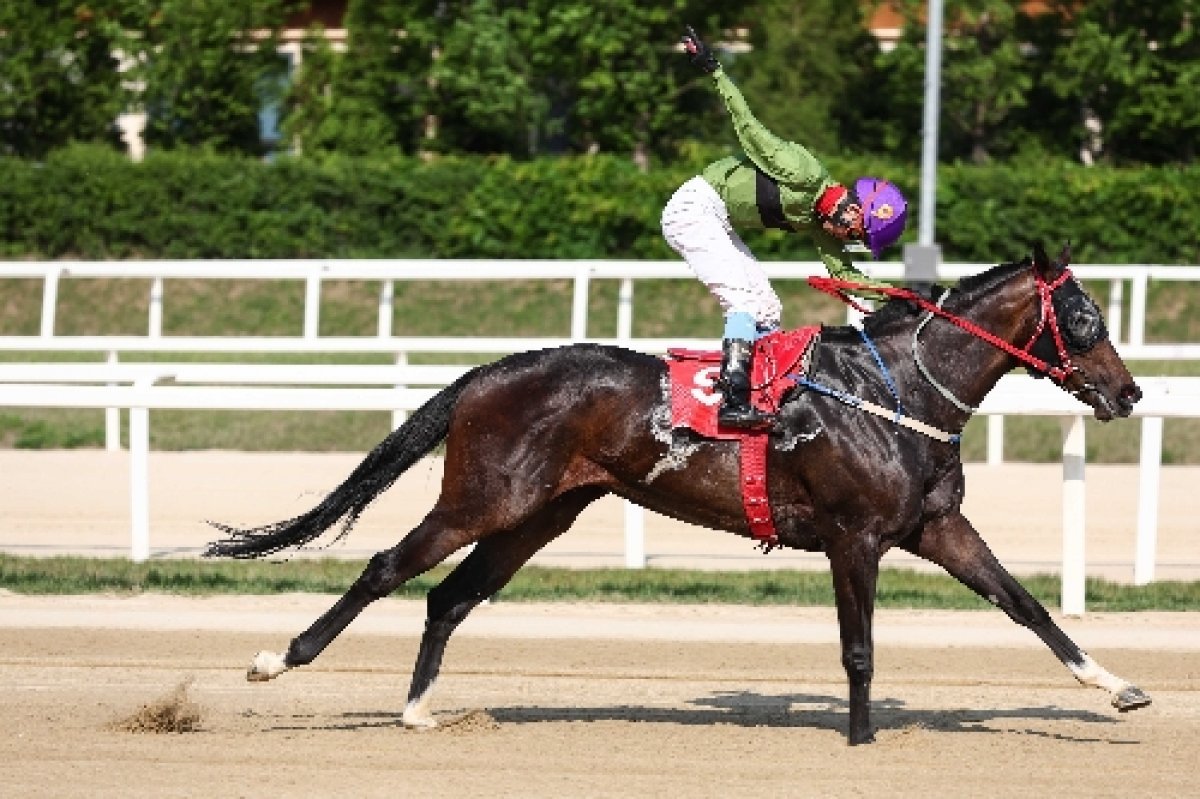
pixel 94 204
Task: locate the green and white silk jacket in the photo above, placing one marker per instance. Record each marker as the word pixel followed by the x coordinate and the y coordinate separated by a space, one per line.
pixel 799 177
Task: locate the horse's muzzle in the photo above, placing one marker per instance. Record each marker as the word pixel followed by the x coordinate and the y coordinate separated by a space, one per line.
pixel 1106 406
pixel 1129 394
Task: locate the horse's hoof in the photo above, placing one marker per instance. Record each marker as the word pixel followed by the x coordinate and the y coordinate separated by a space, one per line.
pixel 1130 698
pixel 861 738
pixel 415 722
pixel 266 666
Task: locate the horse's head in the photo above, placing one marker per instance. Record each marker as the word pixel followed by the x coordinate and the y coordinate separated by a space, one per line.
pixel 1072 340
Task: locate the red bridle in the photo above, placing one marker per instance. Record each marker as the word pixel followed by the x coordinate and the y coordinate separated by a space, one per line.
pixel 838 288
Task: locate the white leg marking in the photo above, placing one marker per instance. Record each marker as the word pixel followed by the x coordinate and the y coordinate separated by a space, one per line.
pixel 1091 673
pixel 266 665
pixel 416 712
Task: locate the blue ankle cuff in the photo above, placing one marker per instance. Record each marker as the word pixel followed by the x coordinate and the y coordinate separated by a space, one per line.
pixel 740 325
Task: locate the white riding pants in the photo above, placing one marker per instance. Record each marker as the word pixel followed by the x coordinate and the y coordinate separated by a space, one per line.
pixel 696 224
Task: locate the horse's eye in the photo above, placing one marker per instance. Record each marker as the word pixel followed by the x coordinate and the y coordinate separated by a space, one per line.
pixel 1083 327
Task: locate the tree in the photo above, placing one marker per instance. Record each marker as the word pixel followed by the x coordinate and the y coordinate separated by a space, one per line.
pixel 805 61
pixel 985 74
pixel 1132 68
pixel 59 78
pixel 518 78
pixel 985 77
pixel 207 67
pixel 307 108
pixel 615 75
pixel 380 86
pixel 884 104
pixel 1045 124
pixel 565 75
pixel 482 80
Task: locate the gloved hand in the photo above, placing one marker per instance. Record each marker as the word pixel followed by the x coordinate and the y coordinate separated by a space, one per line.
pixel 926 291
pixel 702 57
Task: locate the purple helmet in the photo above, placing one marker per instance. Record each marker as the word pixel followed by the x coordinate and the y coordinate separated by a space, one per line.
pixel 884 212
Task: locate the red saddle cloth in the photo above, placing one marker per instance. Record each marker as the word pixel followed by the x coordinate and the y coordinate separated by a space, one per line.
pixel 695 399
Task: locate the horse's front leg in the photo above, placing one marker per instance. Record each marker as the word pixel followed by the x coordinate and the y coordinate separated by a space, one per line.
pixel 953 543
pixel 855 569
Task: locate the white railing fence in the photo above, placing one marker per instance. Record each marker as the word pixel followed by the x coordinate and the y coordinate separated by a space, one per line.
pixel 313 273
pixel 289 387
pixel 386 271
pixel 401 387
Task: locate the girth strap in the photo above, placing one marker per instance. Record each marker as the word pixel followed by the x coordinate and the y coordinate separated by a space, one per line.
pixel 753 451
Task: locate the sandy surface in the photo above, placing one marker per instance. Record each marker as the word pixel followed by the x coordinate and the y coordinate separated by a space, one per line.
pixel 583 701
pixel 579 700
pixel 79 502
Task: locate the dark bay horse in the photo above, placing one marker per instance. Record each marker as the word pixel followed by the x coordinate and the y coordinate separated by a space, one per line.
pixel 535 437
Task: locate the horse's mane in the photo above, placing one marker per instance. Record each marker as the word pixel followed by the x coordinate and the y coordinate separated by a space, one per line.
pixel 897 312
pixel 973 286
pixel 889 314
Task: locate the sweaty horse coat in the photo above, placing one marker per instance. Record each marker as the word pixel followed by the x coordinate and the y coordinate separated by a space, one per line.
pixel 534 438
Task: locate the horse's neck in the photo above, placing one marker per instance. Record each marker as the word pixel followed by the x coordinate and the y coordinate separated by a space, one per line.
pixel 943 368
pixel 965 364
pixel 964 377
pixel 942 372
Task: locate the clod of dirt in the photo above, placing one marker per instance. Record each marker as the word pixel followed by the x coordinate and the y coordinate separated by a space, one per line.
pixel 170 714
pixel 473 721
pixel 910 735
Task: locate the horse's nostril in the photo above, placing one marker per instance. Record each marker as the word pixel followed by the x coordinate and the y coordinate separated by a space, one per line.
pixel 1130 393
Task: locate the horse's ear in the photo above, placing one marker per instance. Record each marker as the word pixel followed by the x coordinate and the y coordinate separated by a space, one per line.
pixel 1040 259
pixel 1064 257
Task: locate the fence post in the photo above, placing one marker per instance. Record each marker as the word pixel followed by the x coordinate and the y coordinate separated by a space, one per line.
pixel 1073 579
pixel 399 414
pixel 156 308
pixel 995 440
pixel 139 478
pixel 635 536
pixel 625 309
pixel 49 304
pixel 1116 309
pixel 112 418
pixel 579 302
pixel 1137 310
pixel 312 305
pixel 387 299
pixel 1149 469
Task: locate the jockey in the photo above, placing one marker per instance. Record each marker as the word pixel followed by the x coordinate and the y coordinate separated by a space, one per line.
pixel 772 184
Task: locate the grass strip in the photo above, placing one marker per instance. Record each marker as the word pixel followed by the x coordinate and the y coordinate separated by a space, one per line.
pixel 898 588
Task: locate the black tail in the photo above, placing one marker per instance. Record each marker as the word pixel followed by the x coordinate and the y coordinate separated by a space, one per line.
pixel 406 445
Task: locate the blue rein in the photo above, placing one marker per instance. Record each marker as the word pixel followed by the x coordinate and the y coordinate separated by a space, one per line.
pixel 899 417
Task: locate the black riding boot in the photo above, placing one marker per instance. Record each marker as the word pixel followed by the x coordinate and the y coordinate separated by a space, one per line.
pixel 736 410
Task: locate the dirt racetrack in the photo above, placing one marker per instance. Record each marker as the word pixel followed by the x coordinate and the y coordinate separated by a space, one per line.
pixel 572 700
pixel 584 701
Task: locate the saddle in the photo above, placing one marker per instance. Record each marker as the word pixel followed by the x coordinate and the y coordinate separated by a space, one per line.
pixel 695 399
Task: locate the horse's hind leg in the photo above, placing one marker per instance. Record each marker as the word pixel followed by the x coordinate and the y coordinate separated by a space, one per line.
pixel 483 572
pixel 429 543
pixel 953 543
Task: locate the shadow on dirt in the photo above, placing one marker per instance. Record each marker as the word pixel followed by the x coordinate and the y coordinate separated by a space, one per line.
pixel 751 709
pixel 815 711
